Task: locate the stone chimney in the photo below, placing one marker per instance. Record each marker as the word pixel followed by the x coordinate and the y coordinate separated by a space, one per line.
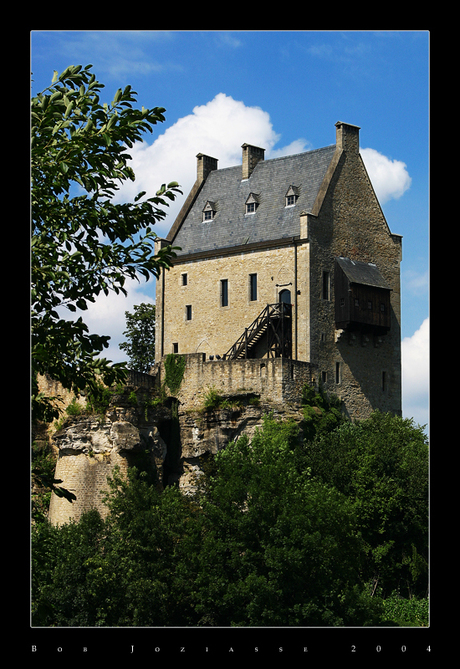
pixel 251 156
pixel 204 165
pixel 347 137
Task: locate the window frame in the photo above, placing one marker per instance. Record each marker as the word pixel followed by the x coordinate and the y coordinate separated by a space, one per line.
pixel 224 299
pixel 253 287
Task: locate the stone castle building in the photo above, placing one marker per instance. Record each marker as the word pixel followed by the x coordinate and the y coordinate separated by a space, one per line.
pixel 287 275
pixel 289 258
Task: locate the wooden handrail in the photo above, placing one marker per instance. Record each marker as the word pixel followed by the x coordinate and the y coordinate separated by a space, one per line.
pixel 277 310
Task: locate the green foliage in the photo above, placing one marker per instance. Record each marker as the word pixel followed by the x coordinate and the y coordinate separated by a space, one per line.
pixel 140 332
pixel 413 612
pixel 174 371
pixel 60 570
pixel 98 398
pixel 84 244
pixel 322 413
pixel 212 399
pixel 267 541
pixel 381 466
pixel 74 408
pixel 278 547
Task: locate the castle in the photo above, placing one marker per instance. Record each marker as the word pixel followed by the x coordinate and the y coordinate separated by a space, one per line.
pixel 288 259
pixel 287 275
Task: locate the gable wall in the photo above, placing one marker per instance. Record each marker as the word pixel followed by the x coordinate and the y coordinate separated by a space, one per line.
pixel 351 224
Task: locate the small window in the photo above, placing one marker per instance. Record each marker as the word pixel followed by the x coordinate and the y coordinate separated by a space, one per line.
pixel 253 287
pixel 323 377
pixel 326 285
pixel 342 301
pixel 382 307
pixel 209 211
pixel 224 293
pixel 188 312
pixel 252 203
pixel 369 305
pixel 338 377
pixel 291 196
pixel 184 279
pixel 356 303
pixel 175 347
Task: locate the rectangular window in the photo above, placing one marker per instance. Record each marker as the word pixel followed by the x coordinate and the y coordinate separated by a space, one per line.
pixel 207 215
pixel 175 348
pixel 337 372
pixel 326 285
pixel 369 305
pixel 250 207
pixel 184 279
pixel 224 293
pixel 290 200
pixel 188 312
pixel 323 377
pixel 253 287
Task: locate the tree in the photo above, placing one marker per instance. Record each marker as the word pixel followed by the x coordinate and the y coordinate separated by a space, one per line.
pixel 279 547
pixel 82 242
pixel 140 333
pixel 381 466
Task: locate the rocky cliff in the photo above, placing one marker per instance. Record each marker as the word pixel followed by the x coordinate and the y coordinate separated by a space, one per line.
pixel 157 434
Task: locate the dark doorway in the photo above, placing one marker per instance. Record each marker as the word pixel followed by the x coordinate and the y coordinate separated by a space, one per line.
pixel 285 296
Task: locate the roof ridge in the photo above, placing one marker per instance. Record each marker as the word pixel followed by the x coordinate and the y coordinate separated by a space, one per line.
pixel 271 160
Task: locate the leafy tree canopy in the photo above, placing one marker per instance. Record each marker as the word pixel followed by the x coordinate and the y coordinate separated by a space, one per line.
pixel 381 466
pixel 268 540
pixel 140 333
pixel 82 242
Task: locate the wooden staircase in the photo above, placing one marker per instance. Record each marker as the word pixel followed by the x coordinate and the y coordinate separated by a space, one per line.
pixel 274 322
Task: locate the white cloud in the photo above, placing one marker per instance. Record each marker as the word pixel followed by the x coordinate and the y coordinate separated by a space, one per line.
pixel 389 178
pixel 218 129
pixel 106 316
pixel 415 374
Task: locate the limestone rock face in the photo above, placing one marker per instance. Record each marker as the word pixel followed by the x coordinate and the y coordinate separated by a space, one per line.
pixel 91 436
pixel 89 450
pixel 165 439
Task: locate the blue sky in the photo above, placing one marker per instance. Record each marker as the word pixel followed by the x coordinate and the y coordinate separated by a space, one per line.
pixel 284 91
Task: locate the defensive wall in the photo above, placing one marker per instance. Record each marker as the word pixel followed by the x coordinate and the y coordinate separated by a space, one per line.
pixel 276 380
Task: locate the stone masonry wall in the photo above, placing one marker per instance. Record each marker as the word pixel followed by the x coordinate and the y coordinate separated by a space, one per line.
pixel 275 380
pixel 348 221
pixel 213 328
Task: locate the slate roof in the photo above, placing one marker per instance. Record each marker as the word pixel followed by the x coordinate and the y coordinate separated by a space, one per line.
pixel 363 273
pixel 269 181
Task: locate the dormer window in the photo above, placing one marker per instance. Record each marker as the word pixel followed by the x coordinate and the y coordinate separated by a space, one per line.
pixel 209 211
pixel 291 196
pixel 252 203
